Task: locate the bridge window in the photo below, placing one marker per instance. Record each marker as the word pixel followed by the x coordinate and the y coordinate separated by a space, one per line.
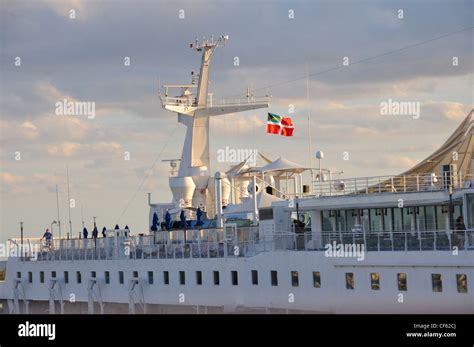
pixel 375 281
pixel 274 278
pixel 18 275
pixel 199 278
pixel 295 282
pixel 216 278
pixel 30 277
pixel 107 277
pixel 66 277
pixel 93 274
pixel 166 277
pixel 182 278
pixel 41 276
pixel 235 278
pixel 150 277
pixel 461 280
pixel 350 280
pixel 135 274
pixel 121 277
pixel 402 281
pixel 436 282
pixel 53 274
pixel 316 279
pixel 255 277
pixel 78 277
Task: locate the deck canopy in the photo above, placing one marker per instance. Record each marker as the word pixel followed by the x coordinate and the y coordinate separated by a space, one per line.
pixel 457 150
pixel 282 167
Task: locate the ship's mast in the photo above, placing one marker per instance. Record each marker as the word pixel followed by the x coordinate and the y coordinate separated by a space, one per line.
pixel 194 110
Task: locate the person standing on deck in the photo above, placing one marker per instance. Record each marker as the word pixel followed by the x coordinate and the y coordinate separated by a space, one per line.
pixel 48 237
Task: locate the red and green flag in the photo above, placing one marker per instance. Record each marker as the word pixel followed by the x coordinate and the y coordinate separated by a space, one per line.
pixel 279 125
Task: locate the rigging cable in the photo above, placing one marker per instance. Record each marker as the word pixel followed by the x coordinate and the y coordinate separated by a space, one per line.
pixel 338 67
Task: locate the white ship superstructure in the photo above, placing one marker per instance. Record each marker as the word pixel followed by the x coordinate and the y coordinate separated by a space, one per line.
pixel 268 242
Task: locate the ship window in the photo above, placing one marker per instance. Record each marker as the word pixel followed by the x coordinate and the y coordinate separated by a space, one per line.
pixel 135 274
pixel 274 277
pixel 326 222
pixel 387 219
pixel 402 281
pixel 375 219
pixel 457 212
pixel 349 280
pixel 150 277
pixel 437 282
pixel 216 277
pixel 53 274
pixel 430 215
pixel 462 283
pixel 407 218
pixel 295 282
pixel 78 277
pixel 107 277
pixel 18 275
pixel 66 277
pixel 199 278
pixel 121 279
pixel 93 274
pixel 470 210
pixel 421 218
pixel 30 277
pixel 182 278
pixel 375 281
pixel 41 276
pixel 441 213
pixel 397 219
pixel 316 279
pixel 234 277
pixel 166 277
pixel 340 220
pixel 255 277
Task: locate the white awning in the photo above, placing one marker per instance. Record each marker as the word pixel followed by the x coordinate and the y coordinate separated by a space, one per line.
pixel 282 166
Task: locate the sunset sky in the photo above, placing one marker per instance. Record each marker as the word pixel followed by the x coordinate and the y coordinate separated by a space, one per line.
pixel 82 59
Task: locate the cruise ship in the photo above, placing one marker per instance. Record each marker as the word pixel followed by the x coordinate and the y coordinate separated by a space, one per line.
pixel 257 238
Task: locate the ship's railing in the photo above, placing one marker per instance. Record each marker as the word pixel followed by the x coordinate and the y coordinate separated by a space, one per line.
pixel 246 242
pixel 439 240
pixel 391 184
pixel 191 101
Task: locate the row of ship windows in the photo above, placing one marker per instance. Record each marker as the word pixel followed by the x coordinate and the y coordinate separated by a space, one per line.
pixel 436 280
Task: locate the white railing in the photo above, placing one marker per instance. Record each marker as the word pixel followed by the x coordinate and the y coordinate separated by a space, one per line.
pixel 191 101
pixel 389 184
pixel 246 242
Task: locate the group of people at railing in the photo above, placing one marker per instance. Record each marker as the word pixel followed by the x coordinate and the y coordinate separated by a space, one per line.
pixel 47 238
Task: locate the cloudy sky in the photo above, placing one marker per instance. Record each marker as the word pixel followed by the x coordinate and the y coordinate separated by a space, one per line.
pixel 82 59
